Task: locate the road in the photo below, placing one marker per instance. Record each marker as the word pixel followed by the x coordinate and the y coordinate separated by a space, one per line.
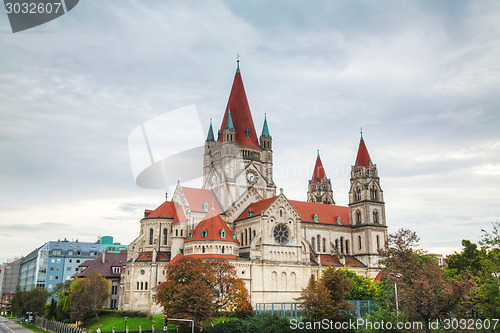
pixel 9 326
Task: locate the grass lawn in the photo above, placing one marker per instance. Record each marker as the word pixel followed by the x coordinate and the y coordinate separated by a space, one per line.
pixel 106 323
pixel 31 327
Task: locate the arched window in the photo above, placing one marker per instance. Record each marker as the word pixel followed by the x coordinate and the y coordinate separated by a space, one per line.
pixel 142 285
pixel 274 281
pixel 347 246
pixel 246 236
pixel 337 244
pixel 373 193
pixel 281 213
pixel 176 232
pixel 358 217
pixel 357 194
pixel 204 233
pixel 137 285
pixel 341 244
pixel 250 234
pixel 145 286
pixel 318 243
pixel 375 216
pixel 223 249
pixel 165 234
pixel 324 244
pixel 313 242
pixel 203 249
pixel 181 232
pixel 254 233
pixel 359 242
pixel 283 281
pixel 223 233
pixel 151 236
pixel 378 242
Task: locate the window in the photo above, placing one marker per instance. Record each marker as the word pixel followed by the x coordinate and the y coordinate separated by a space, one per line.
pixel 52 268
pixel 51 277
pixel 142 285
pixel 70 261
pixel 116 269
pixel 78 253
pixel 57 269
pixel 337 244
pixel 357 194
pixel 78 261
pixel 373 193
pixel 203 249
pixel 375 217
pixel 114 290
pixel 341 244
pixel 68 269
pixel 346 246
pixel 151 236
pixel 76 269
pixel 204 233
pixel 223 233
pixel 137 285
pixel 358 217
pixel 359 241
pixel 70 253
pixel 165 234
pixel 113 304
pixel 50 286
pixel 281 213
pixel 318 243
pixel 324 244
pixel 56 277
pixel 145 286
pixel 52 260
pixel 58 260
pixel 223 248
pixel 378 242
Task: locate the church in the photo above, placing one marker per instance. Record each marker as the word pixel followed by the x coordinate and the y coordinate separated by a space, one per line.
pixel 275 243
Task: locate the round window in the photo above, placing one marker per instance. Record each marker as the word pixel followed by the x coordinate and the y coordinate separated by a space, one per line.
pixel 281 233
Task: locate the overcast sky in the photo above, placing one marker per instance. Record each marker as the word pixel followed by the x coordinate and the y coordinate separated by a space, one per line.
pixel 422 78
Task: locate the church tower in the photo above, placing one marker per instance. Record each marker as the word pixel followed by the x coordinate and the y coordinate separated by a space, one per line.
pixel 236 162
pixel 366 208
pixel 320 187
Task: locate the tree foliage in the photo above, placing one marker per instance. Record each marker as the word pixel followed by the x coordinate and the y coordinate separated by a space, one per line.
pixel 362 288
pixel 326 298
pixel 195 289
pixel 87 295
pixel 425 292
pixel 29 301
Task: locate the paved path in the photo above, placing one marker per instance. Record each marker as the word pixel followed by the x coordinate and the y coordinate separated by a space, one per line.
pixel 9 326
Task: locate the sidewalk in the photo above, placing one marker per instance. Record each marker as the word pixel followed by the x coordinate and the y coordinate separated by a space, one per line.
pixel 13 326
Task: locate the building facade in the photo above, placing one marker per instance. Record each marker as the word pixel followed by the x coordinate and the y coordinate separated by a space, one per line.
pixel 9 278
pixel 276 244
pixel 55 262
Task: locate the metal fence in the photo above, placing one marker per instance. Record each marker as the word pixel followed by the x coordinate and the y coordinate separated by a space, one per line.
pixel 56 326
pixel 360 309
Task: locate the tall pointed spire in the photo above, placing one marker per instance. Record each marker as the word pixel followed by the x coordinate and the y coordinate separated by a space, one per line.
pixel 240 114
pixel 363 158
pixel 210 136
pixel 319 174
pixel 265 129
pixel 229 121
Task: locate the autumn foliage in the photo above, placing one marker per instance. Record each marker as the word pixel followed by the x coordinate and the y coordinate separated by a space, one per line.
pixel 196 289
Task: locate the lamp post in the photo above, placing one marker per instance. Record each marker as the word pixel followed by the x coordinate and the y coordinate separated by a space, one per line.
pixel 125 323
pixel 397 276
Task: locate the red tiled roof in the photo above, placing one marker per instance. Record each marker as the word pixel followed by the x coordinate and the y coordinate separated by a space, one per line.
pixel 197 198
pixel 256 208
pixel 325 213
pixel 213 225
pixel 378 277
pixel 319 174
pixel 178 257
pixel 240 114
pixel 353 262
pixel 329 260
pixel 163 256
pixel 168 209
pixel 105 268
pixel 307 210
pixel 145 256
pixel 363 158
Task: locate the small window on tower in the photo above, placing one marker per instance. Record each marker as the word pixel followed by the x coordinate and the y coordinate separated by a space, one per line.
pixel 204 234
pixel 248 132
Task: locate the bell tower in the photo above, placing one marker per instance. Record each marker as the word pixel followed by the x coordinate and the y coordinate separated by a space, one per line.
pixel 366 208
pixel 237 160
pixel 320 187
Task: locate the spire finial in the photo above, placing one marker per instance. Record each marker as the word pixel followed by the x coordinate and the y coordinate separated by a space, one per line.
pixel 318 150
pixel 237 63
pixel 166 196
pixel 361 131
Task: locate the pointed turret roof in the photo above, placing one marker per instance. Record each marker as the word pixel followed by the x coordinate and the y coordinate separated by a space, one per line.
pixel 212 228
pixel 319 174
pixel 265 129
pixel 240 114
pixel 229 121
pixel 363 158
pixel 210 136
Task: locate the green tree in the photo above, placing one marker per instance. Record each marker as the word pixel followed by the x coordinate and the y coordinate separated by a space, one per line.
pixel 29 301
pixel 87 295
pixel 362 288
pixel 326 298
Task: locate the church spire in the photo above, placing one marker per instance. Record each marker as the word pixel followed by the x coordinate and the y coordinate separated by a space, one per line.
pixel 265 129
pixel 363 158
pixel 210 136
pixel 240 115
pixel 319 174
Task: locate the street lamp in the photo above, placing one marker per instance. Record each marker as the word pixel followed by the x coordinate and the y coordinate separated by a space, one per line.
pixel 125 323
pixel 397 276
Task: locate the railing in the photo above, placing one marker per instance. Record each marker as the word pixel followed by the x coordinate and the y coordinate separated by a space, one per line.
pixel 56 326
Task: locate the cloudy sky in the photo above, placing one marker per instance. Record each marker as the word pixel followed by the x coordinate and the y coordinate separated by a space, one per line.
pixel 422 78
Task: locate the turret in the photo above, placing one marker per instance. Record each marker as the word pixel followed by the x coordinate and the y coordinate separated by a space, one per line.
pixel 320 187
